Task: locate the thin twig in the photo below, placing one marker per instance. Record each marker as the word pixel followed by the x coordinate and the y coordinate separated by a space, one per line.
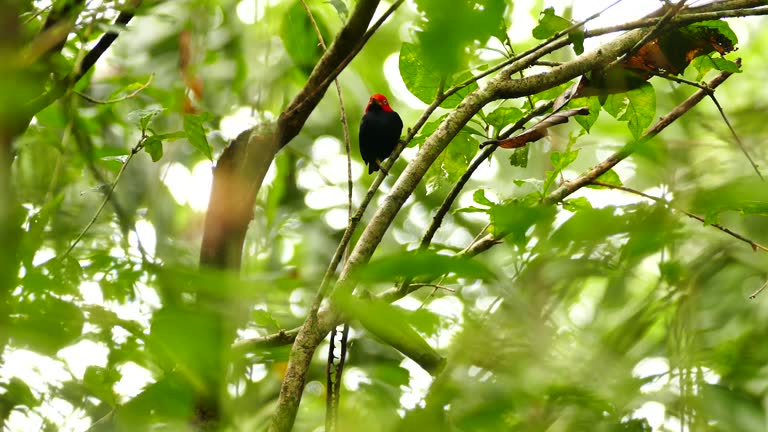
pixel 569 187
pixel 120 99
pixel 60 87
pixel 288 336
pixel 437 220
pixel 355 220
pixel 704 87
pixel 107 197
pixel 759 290
pixel 722 114
pixel 334 369
pixel 753 244
pixel 536 52
pixel 352 54
pixel 652 34
pixel 433 285
pixel 736 136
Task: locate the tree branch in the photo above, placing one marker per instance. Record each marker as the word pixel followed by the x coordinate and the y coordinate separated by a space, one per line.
pixel 60 87
pixel 753 244
pixel 570 187
pixel 347 44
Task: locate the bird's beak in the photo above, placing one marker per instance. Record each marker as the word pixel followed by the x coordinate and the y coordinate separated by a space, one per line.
pixel 374 101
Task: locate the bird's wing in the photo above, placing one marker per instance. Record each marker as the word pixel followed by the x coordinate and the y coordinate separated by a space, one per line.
pixel 366 135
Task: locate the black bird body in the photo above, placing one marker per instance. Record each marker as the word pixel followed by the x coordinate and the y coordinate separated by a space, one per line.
pixel 379 132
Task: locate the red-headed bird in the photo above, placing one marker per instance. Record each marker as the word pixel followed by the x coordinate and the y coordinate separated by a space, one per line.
pixel 379 132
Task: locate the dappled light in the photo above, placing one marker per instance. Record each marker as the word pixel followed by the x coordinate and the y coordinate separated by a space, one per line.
pixel 291 215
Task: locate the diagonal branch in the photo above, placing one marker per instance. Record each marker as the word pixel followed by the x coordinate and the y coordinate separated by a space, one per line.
pixel 572 186
pixel 569 187
pixel 60 87
pixel 348 43
pixel 242 167
pixel 753 244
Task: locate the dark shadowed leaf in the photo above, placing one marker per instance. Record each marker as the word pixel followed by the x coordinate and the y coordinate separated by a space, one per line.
pixel 193 126
pixel 422 264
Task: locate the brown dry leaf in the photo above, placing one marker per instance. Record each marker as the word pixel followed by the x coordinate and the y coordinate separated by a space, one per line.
pixel 667 54
pixel 539 131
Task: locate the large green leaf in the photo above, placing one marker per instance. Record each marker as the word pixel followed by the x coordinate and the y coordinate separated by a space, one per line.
pixel 193 126
pixel 300 38
pixel 446 32
pixel 425 82
pixel 637 107
pixel 46 324
pixel 190 340
pixel 390 324
pixel 424 264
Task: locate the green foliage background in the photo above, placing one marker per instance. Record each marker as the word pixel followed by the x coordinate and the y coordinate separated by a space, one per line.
pixel 548 330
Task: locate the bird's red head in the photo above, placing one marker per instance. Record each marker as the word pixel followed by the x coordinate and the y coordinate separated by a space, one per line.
pixel 380 100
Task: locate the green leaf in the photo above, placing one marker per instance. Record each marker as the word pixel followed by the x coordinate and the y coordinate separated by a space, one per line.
pixel 52 116
pixel 100 383
pixel 424 82
pixel 125 89
pixel 300 38
pixel 143 117
pixel 705 63
pixel 391 325
pixel 637 107
pixel 36 232
pixel 169 401
pixel 561 160
pixel 425 321
pixel 588 225
pixel 586 121
pixel 640 110
pixel 725 65
pixel 746 196
pixel 577 204
pixel 719 26
pixel 615 104
pixel 479 197
pixel 172 135
pixel 609 177
pixel 471 209
pixel 452 163
pixel 265 320
pixel 46 324
pixel 193 126
pixel 734 409
pixel 341 8
pixel 153 145
pixel 519 157
pixel 425 264
pixel 576 37
pixel 749 207
pixel 189 340
pixel 549 24
pixel 502 117
pixel 702 65
pixel 472 131
pixel 448 34
pixel 426 131
pixel 516 217
pixel 550 93
pixel 17 393
pixel 455 99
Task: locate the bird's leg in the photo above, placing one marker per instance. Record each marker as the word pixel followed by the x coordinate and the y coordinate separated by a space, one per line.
pixel 378 164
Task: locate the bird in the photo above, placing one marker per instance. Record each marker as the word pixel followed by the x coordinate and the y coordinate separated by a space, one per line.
pixel 380 131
